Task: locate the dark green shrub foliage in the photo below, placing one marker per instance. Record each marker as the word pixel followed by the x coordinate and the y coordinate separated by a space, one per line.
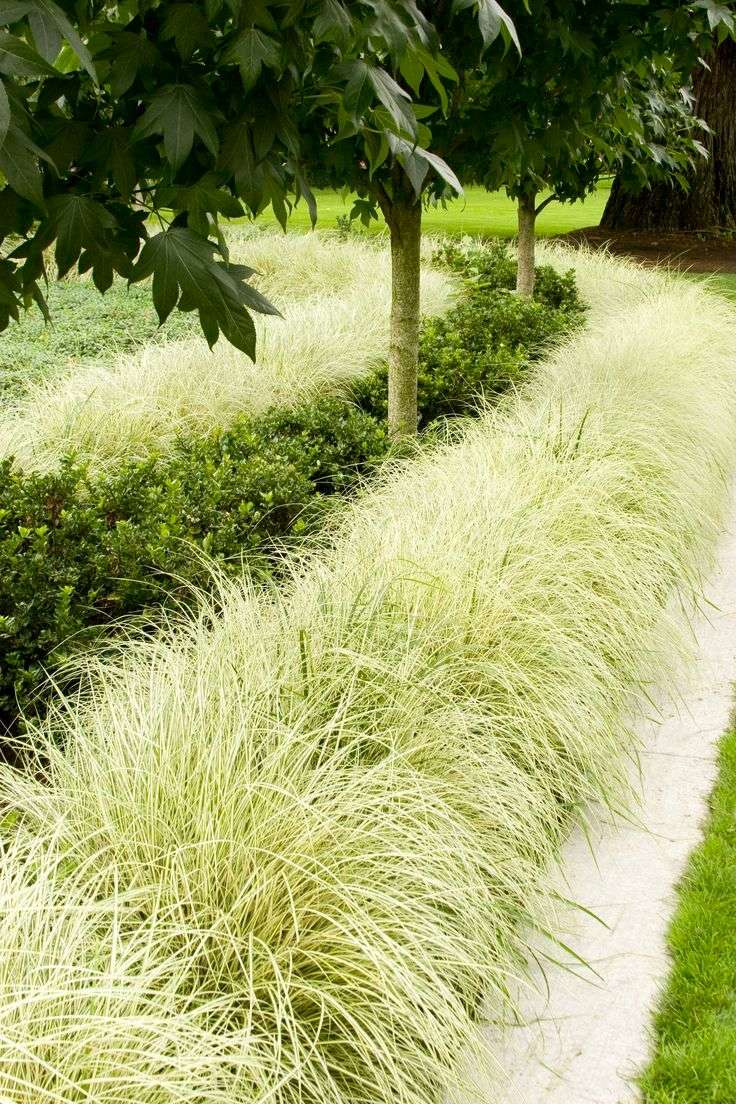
pixel 78 549
pixel 486 342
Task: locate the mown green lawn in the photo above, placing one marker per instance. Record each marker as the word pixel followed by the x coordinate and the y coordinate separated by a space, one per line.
pixel 725 284
pixel 695 1052
pixel 85 326
pixel 477 212
pixel 480 212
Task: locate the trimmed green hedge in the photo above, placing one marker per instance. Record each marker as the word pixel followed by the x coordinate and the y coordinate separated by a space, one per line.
pixel 79 549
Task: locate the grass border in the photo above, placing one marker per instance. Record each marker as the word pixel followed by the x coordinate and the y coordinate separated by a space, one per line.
pixel 695 1026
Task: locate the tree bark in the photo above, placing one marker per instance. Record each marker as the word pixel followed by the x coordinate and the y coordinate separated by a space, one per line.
pixel 710 202
pixel 525 245
pixel 404 217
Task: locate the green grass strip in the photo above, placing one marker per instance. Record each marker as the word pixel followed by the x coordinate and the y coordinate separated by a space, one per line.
pixel 695 1029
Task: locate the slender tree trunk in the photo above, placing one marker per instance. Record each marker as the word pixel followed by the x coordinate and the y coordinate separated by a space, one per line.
pixel 710 202
pixel 525 245
pixel 404 217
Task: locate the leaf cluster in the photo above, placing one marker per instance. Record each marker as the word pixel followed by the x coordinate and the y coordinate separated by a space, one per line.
pixel 598 88
pixel 128 131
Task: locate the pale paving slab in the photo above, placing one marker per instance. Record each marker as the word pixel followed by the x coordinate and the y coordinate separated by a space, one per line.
pixel 585 1037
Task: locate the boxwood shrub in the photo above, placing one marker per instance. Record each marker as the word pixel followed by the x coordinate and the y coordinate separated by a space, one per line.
pixel 486 342
pixel 79 548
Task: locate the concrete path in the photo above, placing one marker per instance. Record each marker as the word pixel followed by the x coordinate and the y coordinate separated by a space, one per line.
pixel 586 1037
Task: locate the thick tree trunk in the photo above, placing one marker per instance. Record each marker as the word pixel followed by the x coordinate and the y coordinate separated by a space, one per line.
pixel 525 245
pixel 404 217
pixel 710 202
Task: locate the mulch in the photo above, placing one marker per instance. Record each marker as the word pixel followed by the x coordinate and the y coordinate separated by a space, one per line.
pixel 696 251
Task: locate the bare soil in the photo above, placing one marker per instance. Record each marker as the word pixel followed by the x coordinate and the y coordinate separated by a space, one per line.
pixel 695 251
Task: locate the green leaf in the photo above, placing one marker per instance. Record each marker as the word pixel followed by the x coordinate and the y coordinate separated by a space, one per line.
pixel 238 160
pixel 50 12
pixel 200 200
pixel 13 10
pixel 257 13
pixel 185 274
pixel 492 19
pixel 415 166
pixel 186 24
pixel 389 24
pixel 303 190
pixel 120 161
pixel 437 67
pixel 332 24
pixel 251 50
pixel 177 113
pixel 412 70
pixel 441 168
pixel 18 59
pixel 130 53
pixel 357 95
pixel 4 113
pixel 394 98
pixel 19 164
pixel 46 35
pixel 718 13
pixel 79 223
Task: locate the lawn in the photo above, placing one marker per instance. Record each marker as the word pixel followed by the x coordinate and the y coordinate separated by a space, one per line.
pixel 695 1029
pixel 478 212
pixel 724 283
pixel 489 214
pixel 86 326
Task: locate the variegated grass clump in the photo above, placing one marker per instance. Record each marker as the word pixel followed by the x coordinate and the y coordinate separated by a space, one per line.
pixel 291 843
pixel 335 298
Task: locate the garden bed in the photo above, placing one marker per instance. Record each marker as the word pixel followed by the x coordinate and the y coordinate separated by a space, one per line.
pixel 99 523
pixel 286 849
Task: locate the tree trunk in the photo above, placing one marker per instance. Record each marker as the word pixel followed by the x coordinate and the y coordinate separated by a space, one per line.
pixel 710 202
pixel 404 217
pixel 525 245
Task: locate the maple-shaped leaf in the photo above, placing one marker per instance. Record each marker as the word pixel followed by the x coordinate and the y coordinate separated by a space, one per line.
pixel 186 274
pixel 199 201
pixel 129 54
pixel 239 160
pixel 19 157
pixel 251 50
pixel 332 24
pixel 79 223
pixel 177 113
pixel 186 24
pixel 50 26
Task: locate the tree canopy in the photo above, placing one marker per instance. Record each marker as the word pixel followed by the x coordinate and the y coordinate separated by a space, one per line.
pixel 708 200
pixel 598 87
pixel 114 114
